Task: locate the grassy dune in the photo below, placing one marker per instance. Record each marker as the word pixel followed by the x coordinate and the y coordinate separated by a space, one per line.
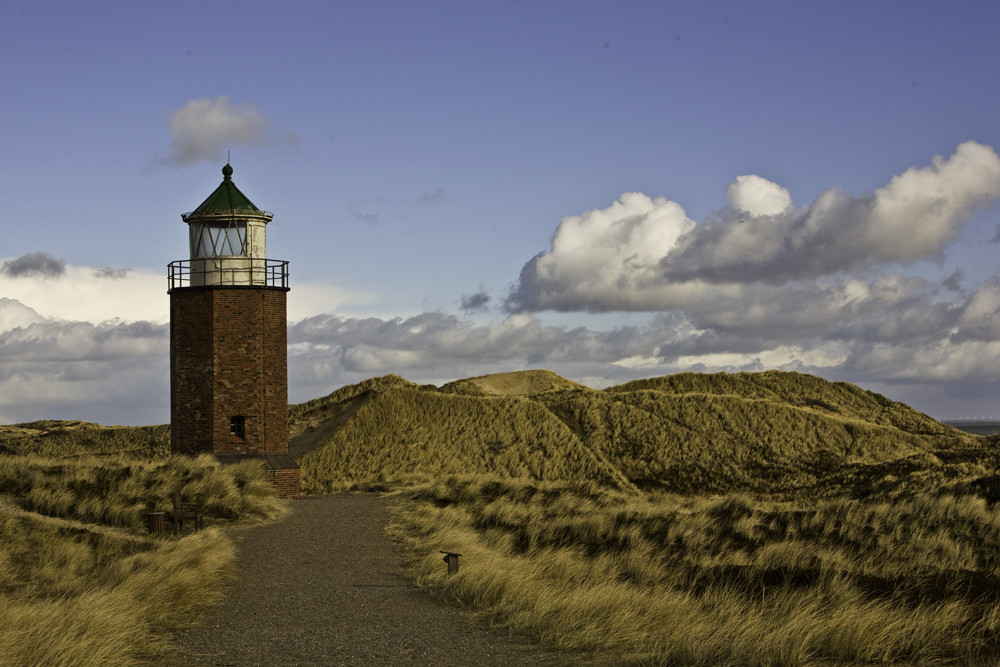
pixel 81 583
pixel 747 519
pixel 74 438
pixel 400 435
pixel 522 383
pixel 727 580
pixel 757 518
pixel 687 433
pixel 73 595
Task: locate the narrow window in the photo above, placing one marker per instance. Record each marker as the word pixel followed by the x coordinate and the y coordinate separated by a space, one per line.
pixel 238 427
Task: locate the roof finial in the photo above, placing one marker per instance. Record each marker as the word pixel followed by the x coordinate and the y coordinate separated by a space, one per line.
pixel 227 172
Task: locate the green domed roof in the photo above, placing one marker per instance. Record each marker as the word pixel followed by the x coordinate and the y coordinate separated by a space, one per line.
pixel 226 200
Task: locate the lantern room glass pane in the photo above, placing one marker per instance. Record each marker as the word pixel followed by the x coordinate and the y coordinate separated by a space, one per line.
pixel 218 240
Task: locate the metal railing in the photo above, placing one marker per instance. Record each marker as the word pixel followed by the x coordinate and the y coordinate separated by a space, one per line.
pixel 225 271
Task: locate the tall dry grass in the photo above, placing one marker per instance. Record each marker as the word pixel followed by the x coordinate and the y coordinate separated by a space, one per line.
pixel 81 583
pixel 71 594
pixel 118 490
pixel 731 580
pixel 76 438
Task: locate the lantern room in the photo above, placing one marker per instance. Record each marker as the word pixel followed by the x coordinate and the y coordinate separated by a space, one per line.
pixel 228 242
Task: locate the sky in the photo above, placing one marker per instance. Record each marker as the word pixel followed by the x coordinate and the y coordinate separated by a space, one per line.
pixel 610 190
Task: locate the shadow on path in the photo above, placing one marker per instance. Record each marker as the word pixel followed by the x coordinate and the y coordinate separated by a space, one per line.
pixel 325 585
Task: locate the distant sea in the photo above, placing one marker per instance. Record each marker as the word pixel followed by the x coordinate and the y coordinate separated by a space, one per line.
pixel 976 426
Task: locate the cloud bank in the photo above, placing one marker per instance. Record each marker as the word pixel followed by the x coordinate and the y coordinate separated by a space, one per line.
pixel 905 339
pixel 645 254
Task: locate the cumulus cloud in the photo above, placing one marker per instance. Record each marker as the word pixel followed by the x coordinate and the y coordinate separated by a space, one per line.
pixel 34 264
pixel 645 254
pixel 892 331
pixel 758 196
pixel 14 315
pixel 608 259
pixel 99 294
pixel 819 288
pixel 87 345
pixel 327 351
pixel 202 130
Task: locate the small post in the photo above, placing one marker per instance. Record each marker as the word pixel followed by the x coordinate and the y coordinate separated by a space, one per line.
pixel 451 558
pixel 156 521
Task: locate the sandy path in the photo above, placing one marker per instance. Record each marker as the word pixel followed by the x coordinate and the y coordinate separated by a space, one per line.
pixel 325 586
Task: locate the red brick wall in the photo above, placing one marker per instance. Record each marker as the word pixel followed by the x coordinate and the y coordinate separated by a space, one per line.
pixel 228 357
pixel 284 480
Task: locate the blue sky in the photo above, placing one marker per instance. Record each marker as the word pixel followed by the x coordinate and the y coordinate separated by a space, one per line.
pixel 471 187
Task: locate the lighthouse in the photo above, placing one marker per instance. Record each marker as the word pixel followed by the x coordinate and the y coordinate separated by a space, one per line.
pixel 228 339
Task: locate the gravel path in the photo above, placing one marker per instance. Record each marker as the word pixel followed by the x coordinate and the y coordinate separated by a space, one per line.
pixel 325 585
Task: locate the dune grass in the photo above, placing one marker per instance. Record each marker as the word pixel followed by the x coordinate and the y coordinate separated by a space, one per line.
pixel 404 434
pixel 746 519
pixel 729 580
pixel 76 438
pixel 81 583
pixel 73 595
pixel 686 433
pixel 118 490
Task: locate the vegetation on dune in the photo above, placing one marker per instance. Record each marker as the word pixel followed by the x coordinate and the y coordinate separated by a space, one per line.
pixel 71 594
pixel 752 518
pixel 312 414
pixel 404 434
pixel 713 443
pixel 729 580
pixel 76 438
pixel 118 490
pixel 688 433
pixel 782 519
pixel 520 383
pixel 799 390
pixel 81 583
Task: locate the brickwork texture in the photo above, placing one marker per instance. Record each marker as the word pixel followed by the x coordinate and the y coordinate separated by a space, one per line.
pixel 285 481
pixel 228 358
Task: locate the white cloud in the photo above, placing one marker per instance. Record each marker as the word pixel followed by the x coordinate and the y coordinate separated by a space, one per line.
pixel 14 315
pixel 204 128
pixel 608 256
pixel 86 294
pixel 113 372
pixel 309 299
pixel 783 356
pixel 117 372
pixel 921 209
pixel 95 295
pixel 758 196
pixel 646 254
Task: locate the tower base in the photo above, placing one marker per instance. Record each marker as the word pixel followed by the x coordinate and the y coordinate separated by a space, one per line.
pixel 280 470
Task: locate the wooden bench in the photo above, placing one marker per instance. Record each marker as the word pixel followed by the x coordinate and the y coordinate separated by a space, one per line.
pixel 185 511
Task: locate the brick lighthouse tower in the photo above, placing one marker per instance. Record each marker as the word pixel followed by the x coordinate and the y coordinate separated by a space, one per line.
pixel 228 339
